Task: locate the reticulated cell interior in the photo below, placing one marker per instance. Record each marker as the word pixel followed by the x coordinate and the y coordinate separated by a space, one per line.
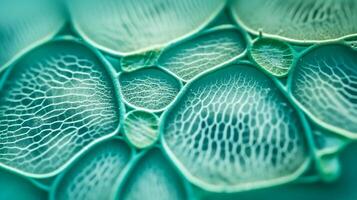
pixel 298 20
pixel 141 128
pixel 153 178
pixel 149 88
pixel 273 56
pixel 232 129
pixel 56 101
pixel 324 83
pixel 201 53
pixel 94 175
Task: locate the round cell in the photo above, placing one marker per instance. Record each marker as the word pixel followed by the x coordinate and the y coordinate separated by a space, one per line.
pixel 141 128
pixel 150 89
pixel 324 84
pixel 153 178
pixel 55 102
pixel 273 56
pixel 128 27
pixel 297 21
pixel 211 49
pixel 94 176
pixel 232 129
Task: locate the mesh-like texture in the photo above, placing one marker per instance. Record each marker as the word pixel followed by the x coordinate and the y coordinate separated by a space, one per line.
pixel 233 129
pixel 56 100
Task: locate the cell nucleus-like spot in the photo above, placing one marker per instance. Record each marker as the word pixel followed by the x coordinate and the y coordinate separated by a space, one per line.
pixel 352 41
pixel 95 175
pixel 149 88
pixel 273 56
pixel 24 23
pixel 211 49
pixel 141 128
pixel 232 129
pixel 298 20
pixel 55 102
pixel 324 84
pixel 127 27
pixel 153 178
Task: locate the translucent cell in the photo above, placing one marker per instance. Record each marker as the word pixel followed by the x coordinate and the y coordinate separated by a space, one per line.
pixel 153 178
pixel 25 23
pixel 298 20
pixel 232 129
pixel 141 128
pixel 324 84
pixel 210 49
pixel 56 101
pixel 149 89
pixel 128 27
pixel 273 56
pixel 94 176
pixel 137 61
pixel 15 187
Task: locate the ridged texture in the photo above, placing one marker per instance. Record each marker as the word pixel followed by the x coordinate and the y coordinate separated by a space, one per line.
pixel 298 20
pixel 273 56
pixel 153 178
pixel 127 27
pixel 23 23
pixel 141 128
pixel 94 176
pixel 57 100
pixel 149 88
pixel 204 52
pixel 324 83
pixel 232 130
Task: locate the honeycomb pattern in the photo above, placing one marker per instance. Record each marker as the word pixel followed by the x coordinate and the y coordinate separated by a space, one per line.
pixel 324 83
pixel 209 50
pixel 56 101
pixel 205 99
pixel 150 88
pixel 232 129
pixel 95 175
pixel 153 178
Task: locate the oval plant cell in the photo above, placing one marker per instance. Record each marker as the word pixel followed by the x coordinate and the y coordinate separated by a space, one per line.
pixel 94 176
pixel 150 89
pixel 298 20
pixel 56 101
pixel 25 23
pixel 211 49
pixel 141 128
pixel 273 56
pixel 153 178
pixel 324 85
pixel 128 27
pixel 232 129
